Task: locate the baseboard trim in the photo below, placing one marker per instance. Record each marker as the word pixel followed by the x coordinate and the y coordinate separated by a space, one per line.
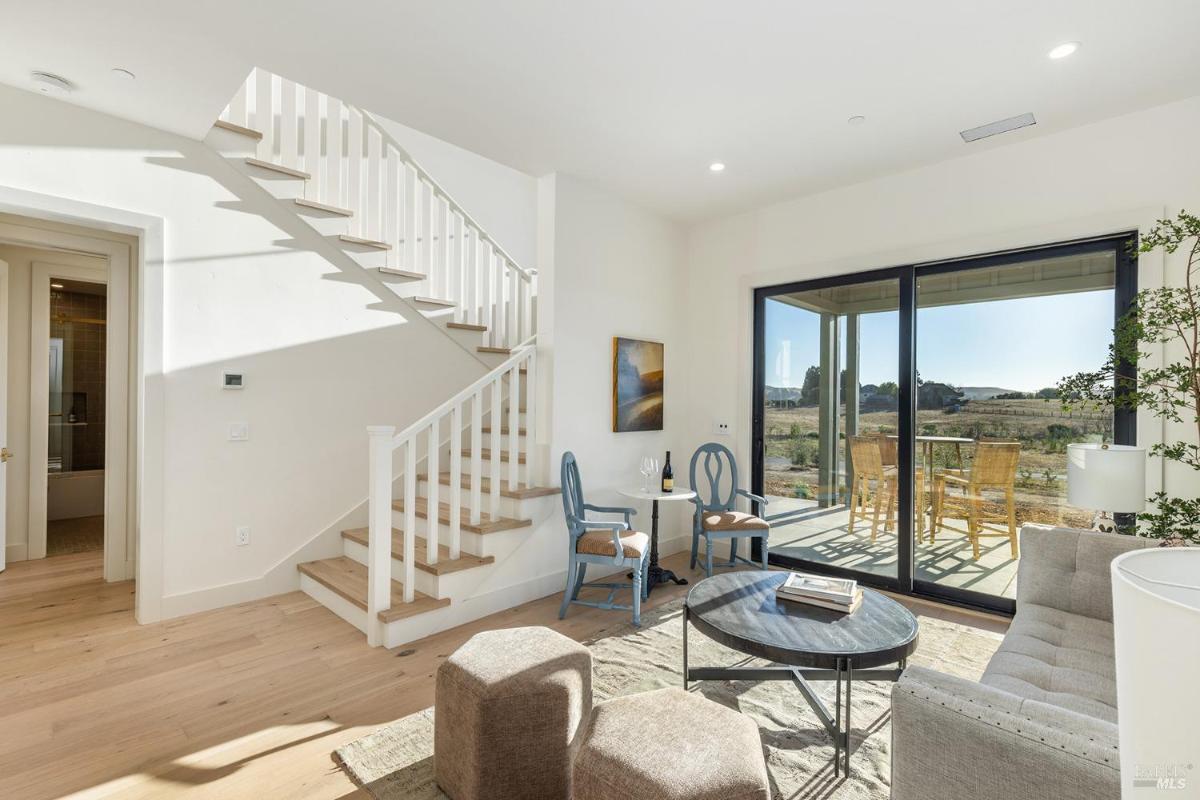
pixel 16 552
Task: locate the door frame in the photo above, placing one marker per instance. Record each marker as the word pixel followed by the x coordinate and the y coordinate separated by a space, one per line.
pixel 118 541
pixel 4 339
pixel 1124 423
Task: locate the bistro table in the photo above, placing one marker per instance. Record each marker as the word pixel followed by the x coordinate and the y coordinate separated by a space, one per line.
pixel 741 611
pixel 927 444
pixel 658 574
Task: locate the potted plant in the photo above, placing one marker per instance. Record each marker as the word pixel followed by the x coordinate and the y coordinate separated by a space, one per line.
pixel 1168 318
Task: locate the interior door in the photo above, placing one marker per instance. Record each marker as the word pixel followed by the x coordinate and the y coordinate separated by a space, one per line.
pixel 5 456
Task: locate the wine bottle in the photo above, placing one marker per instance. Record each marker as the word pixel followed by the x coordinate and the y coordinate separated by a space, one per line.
pixel 668 475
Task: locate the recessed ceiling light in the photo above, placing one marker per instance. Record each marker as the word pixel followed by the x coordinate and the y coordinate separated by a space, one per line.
pixel 124 74
pixel 716 166
pixel 48 83
pixel 56 286
pixel 1063 50
pixel 857 119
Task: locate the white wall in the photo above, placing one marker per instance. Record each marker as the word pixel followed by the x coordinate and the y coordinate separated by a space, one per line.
pixel 1110 176
pixel 325 347
pixel 611 269
pixel 20 270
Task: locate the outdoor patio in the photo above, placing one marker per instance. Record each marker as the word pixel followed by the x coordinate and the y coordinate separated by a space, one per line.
pixel 822 535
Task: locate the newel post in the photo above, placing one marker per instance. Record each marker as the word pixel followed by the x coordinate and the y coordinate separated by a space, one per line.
pixel 379 542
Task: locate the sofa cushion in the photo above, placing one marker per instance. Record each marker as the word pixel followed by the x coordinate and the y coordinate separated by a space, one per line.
pixel 1056 657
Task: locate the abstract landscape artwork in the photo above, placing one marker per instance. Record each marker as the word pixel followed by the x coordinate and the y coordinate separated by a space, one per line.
pixel 637 385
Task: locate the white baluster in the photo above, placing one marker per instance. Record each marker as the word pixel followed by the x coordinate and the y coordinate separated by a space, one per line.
pixel 471 275
pixel 354 166
pixel 514 307
pixel 373 207
pixel 264 113
pixel 456 480
pixel 333 188
pixel 427 237
pixel 410 219
pixel 531 447
pixel 379 531
pixel 484 270
pixel 287 124
pixel 432 501
pixel 312 144
pixel 476 455
pixel 496 419
pixel 448 289
pixel 410 519
pixel 498 317
pixel 392 224
pixel 514 425
pixel 457 261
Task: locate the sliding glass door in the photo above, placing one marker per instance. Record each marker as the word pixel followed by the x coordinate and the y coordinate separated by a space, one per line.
pixel 906 421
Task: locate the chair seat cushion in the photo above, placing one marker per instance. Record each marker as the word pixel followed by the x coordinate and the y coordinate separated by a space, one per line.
pixel 1059 658
pixel 600 543
pixel 669 744
pixel 733 521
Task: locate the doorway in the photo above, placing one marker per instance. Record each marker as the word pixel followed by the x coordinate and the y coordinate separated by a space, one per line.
pixel 67 416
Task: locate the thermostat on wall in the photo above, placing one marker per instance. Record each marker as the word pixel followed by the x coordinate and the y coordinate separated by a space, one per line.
pixel 231 380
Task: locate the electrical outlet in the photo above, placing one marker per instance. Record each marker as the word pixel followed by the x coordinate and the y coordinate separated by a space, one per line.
pixel 721 428
pixel 243 535
pixel 239 431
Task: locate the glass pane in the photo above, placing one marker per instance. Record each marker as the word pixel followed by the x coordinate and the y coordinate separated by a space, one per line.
pixel 829 425
pixel 991 436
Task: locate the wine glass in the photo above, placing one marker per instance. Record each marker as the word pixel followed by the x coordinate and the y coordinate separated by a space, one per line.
pixel 648 467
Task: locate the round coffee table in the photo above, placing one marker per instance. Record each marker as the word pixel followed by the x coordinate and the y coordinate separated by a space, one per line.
pixel 740 610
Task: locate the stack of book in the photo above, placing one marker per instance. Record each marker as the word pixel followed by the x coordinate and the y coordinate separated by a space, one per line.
pixel 836 594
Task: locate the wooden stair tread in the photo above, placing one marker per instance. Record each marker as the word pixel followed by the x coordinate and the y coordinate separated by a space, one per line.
pixel 435 301
pixel 240 129
pixel 486 452
pixel 403 273
pixel 280 168
pixel 444 566
pixel 467 326
pixel 504 351
pixel 504 430
pixel 485 486
pixel 358 240
pixel 328 209
pixel 485 525
pixel 348 579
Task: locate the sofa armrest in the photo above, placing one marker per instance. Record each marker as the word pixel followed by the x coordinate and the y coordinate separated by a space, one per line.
pixel 956 738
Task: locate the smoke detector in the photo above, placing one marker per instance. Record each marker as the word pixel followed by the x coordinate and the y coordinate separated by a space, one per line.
pixel 49 83
pixel 997 127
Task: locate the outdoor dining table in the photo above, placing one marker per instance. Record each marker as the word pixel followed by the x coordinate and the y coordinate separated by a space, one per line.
pixel 927 444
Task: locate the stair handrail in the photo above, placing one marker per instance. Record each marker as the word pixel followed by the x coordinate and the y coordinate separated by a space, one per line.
pixel 526 274
pixel 384 442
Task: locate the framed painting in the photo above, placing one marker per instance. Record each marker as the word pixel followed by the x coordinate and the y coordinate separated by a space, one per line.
pixel 637 385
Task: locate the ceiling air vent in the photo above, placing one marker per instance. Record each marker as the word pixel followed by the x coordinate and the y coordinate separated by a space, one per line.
pixel 999 126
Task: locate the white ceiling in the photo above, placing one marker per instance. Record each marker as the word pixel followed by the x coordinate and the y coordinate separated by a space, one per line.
pixel 640 95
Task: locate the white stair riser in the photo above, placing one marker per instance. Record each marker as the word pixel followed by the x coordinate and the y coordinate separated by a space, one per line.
pixel 486 471
pixel 334 602
pixel 425 582
pixel 328 225
pixel 509 506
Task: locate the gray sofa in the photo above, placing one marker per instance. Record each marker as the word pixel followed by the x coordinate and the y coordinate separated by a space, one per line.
pixel 1041 722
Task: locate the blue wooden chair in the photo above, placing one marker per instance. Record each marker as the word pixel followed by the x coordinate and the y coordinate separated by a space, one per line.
pixel 716 517
pixel 613 544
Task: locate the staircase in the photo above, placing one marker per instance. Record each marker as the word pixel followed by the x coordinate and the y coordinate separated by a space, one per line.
pixel 410 572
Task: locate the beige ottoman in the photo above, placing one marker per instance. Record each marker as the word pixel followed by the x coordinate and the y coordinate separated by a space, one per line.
pixel 510 707
pixel 669 745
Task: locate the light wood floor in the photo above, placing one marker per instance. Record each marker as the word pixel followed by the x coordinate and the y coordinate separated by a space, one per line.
pixel 248 701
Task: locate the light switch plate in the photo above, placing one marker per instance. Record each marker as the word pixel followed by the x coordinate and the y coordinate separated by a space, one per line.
pixel 239 431
pixel 721 428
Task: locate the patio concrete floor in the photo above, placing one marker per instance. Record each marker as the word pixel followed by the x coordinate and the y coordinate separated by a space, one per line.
pixel 822 535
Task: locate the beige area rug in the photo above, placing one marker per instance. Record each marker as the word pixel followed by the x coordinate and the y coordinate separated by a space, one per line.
pixel 396 762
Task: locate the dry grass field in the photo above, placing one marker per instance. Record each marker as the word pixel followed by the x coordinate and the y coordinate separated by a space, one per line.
pixel 1041 426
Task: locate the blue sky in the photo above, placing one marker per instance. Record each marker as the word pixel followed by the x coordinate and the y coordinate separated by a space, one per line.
pixel 1023 344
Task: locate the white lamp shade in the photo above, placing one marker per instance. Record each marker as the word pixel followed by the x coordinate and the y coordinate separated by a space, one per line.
pixel 1106 477
pixel 1156 630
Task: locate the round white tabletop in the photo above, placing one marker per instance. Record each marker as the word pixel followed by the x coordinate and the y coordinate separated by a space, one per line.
pixel 657 494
